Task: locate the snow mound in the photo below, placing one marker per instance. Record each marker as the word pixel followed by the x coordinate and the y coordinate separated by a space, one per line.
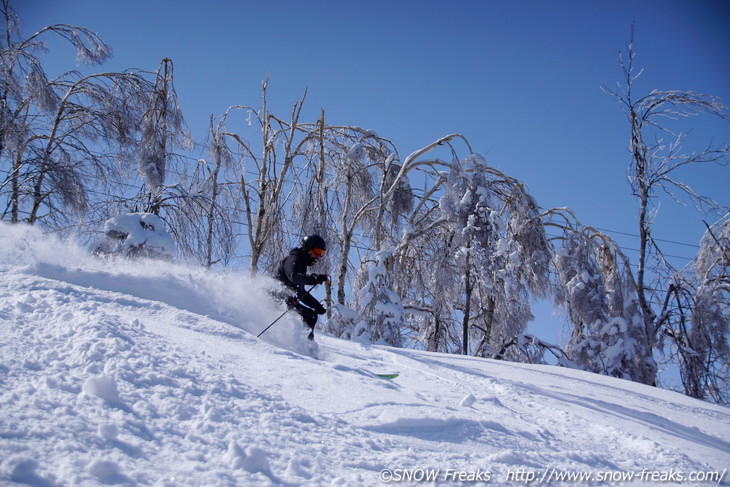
pixel 102 386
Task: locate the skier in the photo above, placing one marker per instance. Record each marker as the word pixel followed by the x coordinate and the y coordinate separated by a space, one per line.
pixel 292 273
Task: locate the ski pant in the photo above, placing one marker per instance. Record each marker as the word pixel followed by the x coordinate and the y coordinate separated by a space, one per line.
pixel 309 316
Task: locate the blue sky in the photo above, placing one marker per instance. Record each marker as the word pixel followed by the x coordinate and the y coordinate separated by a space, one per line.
pixel 520 79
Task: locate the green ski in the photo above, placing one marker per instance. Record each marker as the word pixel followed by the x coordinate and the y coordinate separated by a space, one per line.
pixel 387 376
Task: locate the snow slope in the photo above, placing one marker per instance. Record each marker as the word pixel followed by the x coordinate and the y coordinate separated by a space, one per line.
pixel 119 373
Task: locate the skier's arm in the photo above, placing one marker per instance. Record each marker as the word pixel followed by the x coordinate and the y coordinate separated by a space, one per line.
pixel 298 278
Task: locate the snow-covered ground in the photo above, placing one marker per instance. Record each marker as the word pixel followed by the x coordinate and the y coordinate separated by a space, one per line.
pixel 121 373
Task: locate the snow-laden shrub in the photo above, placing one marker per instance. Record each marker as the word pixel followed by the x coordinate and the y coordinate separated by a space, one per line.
pixel 597 291
pixel 382 312
pixel 136 235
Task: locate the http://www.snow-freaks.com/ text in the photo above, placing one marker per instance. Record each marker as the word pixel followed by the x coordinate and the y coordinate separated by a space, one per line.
pixel 548 476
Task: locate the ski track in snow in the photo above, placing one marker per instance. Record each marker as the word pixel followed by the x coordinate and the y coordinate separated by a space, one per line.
pixel 112 376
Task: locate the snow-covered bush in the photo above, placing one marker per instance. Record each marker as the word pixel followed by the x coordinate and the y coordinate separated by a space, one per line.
pixel 705 347
pixel 598 293
pixel 382 310
pixel 136 235
pixel 345 323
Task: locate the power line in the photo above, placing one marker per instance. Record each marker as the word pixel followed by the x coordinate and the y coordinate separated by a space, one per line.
pixel 653 238
pixel 665 255
pixel 689 259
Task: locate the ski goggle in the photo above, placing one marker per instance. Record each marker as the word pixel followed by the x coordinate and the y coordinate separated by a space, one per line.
pixel 317 252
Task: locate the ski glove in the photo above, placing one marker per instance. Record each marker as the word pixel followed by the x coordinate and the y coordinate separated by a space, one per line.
pixel 320 310
pixel 320 278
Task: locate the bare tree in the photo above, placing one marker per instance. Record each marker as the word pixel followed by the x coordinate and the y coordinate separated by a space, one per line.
pixel 695 318
pixel 162 131
pixel 219 225
pixel 266 175
pixel 26 98
pixel 654 170
pixel 78 144
pixel 355 160
pixel 655 162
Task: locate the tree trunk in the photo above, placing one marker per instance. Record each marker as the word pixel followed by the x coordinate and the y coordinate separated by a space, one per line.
pixel 467 304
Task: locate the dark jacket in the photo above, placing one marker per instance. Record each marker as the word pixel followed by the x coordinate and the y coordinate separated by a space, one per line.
pixel 292 272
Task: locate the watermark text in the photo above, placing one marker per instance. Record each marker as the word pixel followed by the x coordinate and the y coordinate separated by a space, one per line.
pixel 549 476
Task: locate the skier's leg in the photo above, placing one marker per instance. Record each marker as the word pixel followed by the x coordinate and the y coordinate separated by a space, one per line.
pixel 310 319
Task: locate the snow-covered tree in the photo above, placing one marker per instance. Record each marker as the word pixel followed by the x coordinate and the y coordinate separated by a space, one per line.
pixel 467 207
pixel 357 157
pixel 337 184
pixel 516 272
pixel 596 287
pixel 498 248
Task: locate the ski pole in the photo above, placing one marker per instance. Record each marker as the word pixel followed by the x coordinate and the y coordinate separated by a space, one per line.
pixel 282 315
